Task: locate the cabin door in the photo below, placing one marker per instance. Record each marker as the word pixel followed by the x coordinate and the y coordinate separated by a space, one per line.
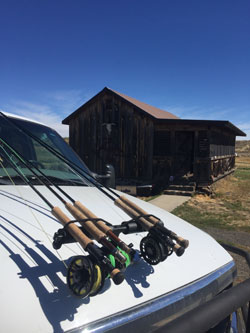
pixel 184 152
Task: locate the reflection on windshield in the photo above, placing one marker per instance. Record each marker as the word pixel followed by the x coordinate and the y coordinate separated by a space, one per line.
pixel 39 156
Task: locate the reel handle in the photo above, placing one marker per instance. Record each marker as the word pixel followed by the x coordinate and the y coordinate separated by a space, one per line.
pixel 117 276
pixel 179 250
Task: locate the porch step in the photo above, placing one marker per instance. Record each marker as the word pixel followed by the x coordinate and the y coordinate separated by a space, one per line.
pixel 181 189
pixel 174 192
pixel 189 187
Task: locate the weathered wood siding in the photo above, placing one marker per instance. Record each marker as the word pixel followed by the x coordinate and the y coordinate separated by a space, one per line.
pixel 201 161
pixel 179 149
pixel 221 143
pixel 112 131
pixel 143 149
pixel 222 153
pixel 216 155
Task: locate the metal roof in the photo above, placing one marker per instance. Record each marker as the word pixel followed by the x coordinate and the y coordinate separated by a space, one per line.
pixel 209 123
pixel 158 114
pixel 151 110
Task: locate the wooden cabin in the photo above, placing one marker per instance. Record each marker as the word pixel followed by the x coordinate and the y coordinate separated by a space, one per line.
pixel 147 145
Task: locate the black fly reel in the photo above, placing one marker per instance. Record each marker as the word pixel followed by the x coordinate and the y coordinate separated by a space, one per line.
pixel 85 278
pixel 154 250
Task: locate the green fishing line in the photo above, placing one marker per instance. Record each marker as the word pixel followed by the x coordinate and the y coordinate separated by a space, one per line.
pixel 126 255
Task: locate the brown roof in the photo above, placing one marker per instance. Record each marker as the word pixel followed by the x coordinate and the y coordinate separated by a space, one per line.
pixel 151 110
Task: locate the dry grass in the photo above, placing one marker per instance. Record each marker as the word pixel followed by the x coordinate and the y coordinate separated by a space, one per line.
pixel 242 147
pixel 229 206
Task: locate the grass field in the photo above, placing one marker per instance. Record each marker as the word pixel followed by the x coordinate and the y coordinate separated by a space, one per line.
pixel 229 206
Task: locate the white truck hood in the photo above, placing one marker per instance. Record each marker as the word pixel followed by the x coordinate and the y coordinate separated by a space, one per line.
pixel 33 292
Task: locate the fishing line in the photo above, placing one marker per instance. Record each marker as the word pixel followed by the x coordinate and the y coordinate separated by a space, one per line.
pixel 95 252
pixel 18 198
pixel 96 233
pixel 95 226
pixel 11 180
pixel 64 193
pixel 34 262
pixel 19 247
pixel 33 226
pixel 157 231
pixel 27 205
pixel 79 170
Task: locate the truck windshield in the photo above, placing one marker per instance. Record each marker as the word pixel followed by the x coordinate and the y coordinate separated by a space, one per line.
pixel 32 151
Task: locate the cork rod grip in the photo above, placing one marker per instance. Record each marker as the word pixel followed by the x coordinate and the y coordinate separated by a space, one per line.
pixel 90 227
pixel 101 225
pixel 183 242
pixel 73 229
pixel 147 225
pixel 138 209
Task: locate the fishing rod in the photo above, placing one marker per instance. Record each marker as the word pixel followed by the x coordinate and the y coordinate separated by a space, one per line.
pixel 98 235
pixel 83 213
pixel 154 220
pixel 156 228
pixel 159 243
pixel 85 274
pixel 86 175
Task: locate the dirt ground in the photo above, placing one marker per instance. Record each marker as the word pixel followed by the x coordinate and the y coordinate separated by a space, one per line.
pixel 225 214
pixel 231 202
pixel 230 199
pixel 237 238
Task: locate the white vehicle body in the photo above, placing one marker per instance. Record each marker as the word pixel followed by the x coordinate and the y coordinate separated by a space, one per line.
pixel 33 292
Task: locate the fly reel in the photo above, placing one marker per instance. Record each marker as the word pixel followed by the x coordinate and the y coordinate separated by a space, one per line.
pixel 117 264
pixel 84 278
pixel 154 251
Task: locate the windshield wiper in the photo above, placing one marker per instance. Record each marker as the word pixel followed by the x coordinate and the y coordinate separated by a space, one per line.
pixel 17 180
pixel 61 181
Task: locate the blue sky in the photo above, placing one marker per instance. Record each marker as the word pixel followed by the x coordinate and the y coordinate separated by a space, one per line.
pixel 190 57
